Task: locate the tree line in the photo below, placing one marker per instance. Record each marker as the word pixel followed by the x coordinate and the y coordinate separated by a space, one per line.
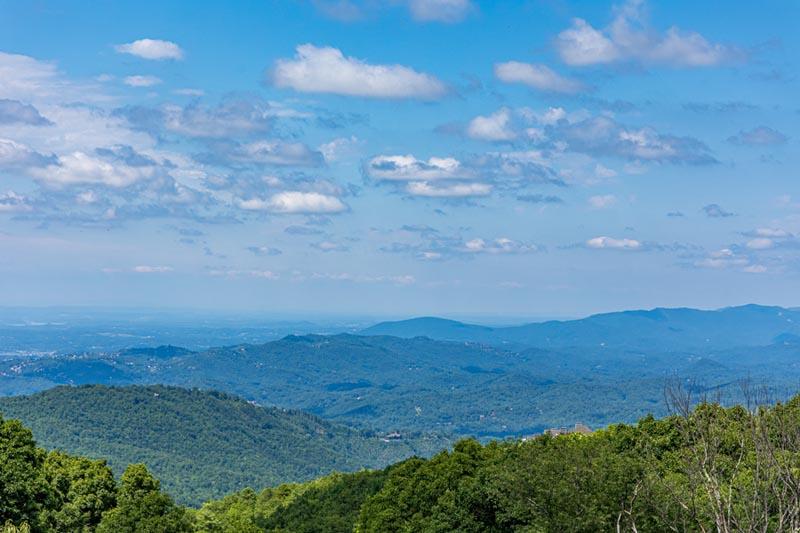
pixel 704 468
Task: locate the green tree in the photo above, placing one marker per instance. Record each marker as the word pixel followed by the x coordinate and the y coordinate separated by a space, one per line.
pixel 82 490
pixel 23 490
pixel 142 507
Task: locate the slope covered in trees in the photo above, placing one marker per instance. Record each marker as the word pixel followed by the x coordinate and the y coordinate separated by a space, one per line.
pixel 202 444
pixel 709 468
pixel 388 383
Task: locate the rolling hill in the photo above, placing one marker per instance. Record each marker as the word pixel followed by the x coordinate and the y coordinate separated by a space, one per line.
pixel 201 444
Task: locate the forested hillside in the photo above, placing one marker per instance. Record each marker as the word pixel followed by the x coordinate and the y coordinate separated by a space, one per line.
pixel 384 384
pixel 704 469
pixel 202 444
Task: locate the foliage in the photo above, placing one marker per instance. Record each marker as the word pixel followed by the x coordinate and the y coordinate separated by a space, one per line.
pixel 704 468
pixel 326 505
pixel 604 370
pixel 143 507
pixel 81 491
pixel 201 444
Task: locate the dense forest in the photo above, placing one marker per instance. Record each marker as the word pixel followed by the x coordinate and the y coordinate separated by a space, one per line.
pixel 706 467
pixel 418 384
pixel 203 444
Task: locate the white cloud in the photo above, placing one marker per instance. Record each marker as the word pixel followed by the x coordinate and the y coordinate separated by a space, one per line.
pixel 141 81
pixel 771 232
pixel 760 243
pixel 79 167
pixel 326 70
pixel 604 172
pixel 188 91
pixel 583 45
pixel 723 258
pixel 329 246
pixel 340 147
pixel 28 79
pixel 629 38
pixel 614 244
pixel 402 279
pixel 760 136
pixel 11 202
pixel 502 245
pixel 274 152
pixel 495 127
pixel 453 190
pixel 296 202
pixel 147 269
pixel 538 77
pixel 602 201
pixel 258 274
pixel 17 155
pixel 409 168
pixel 151 49
pixel 439 10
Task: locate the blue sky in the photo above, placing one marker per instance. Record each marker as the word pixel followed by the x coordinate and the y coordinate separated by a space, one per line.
pixel 399 157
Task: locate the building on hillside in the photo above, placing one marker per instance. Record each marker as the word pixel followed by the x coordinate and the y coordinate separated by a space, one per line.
pixel 579 428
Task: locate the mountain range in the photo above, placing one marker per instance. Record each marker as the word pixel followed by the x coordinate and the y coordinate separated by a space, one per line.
pixel 661 329
pixel 449 378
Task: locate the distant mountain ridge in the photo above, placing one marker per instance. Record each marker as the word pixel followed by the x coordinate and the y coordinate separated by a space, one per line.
pixel 660 328
pixel 483 381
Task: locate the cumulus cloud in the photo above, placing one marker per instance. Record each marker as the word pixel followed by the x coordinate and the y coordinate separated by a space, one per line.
pixel 11 202
pixel 760 243
pixel 502 245
pixel 327 70
pixel 234 273
pixel 723 258
pixel 602 201
pixel 540 77
pixel 30 80
pixel 290 202
pixel 91 166
pixel 430 245
pixel 263 152
pixel 399 280
pixel 15 155
pixel 629 38
pixel 494 127
pixel 611 243
pixel 540 199
pixel 82 168
pixel 448 177
pixel 154 49
pixel 339 148
pixel 451 190
pixel 604 136
pixel 232 117
pixel 445 11
pixel 557 130
pixel 716 211
pixel 16 112
pixel 329 246
pixel 141 81
pixel 760 136
pixel 148 269
pixel 448 11
pixel 264 250
pixel 770 238
pixel 409 168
